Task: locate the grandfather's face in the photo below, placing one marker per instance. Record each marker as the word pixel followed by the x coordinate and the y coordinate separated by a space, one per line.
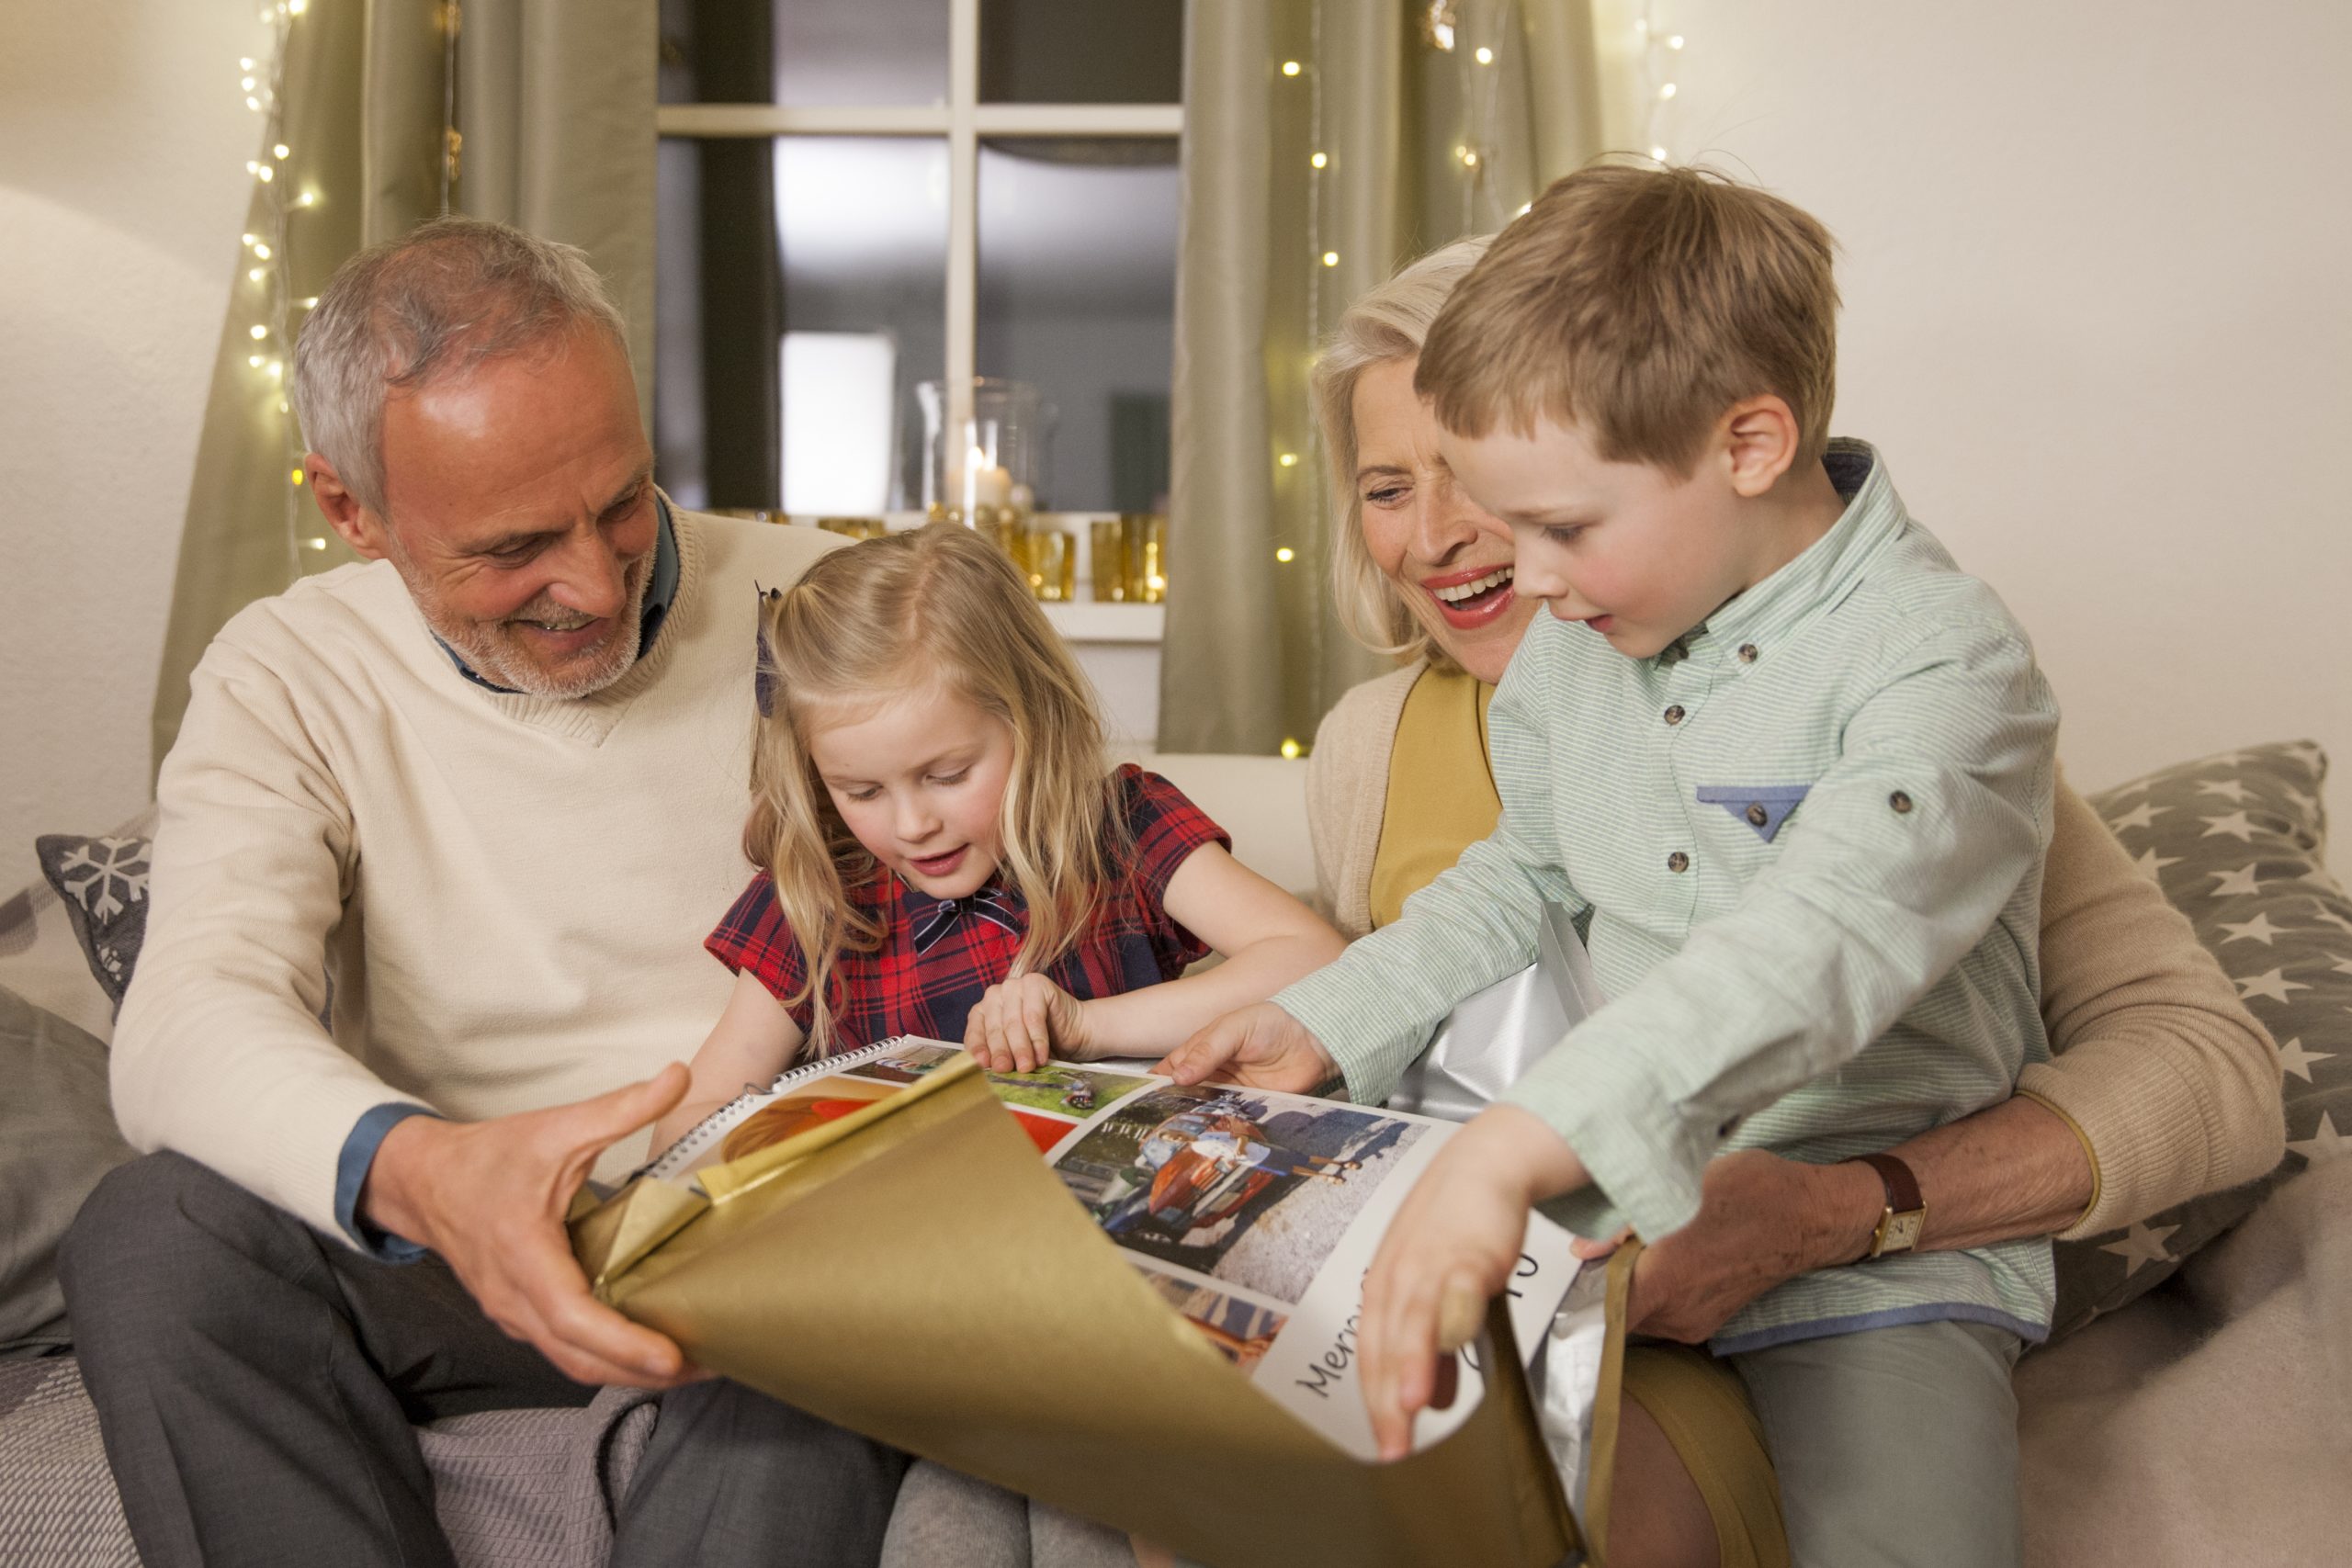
pixel 1448 561
pixel 521 514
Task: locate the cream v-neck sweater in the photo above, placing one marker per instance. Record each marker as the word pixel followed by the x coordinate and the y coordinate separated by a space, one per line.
pixel 510 892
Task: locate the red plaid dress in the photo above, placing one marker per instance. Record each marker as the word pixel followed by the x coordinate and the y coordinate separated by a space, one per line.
pixel 937 956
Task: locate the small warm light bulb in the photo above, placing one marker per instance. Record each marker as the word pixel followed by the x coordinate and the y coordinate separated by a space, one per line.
pixel 310 303
pixel 277 367
pixel 1668 91
pixel 1286 555
pixel 294 477
pixel 1486 56
pixel 1291 750
pixel 252 167
pixel 248 83
pixel 261 250
pixel 244 64
pixel 248 239
pixel 1290 67
pixel 1330 258
pixel 317 543
pixel 1289 459
pixel 308 198
pixel 1320 160
pixel 259 332
pixel 265 174
pixel 296 7
pixel 281 150
pixel 1524 209
pixel 253 104
pixel 1674 42
pixel 1657 155
pixel 256 275
pixel 282 409
pixel 254 360
pixel 1469 158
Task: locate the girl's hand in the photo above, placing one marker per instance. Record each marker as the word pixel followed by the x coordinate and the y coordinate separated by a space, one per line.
pixel 1452 1247
pixel 1020 1025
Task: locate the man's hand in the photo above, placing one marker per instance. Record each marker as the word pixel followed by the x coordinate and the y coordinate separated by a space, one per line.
pixel 1452 1249
pixel 1021 1024
pixel 1762 1221
pixel 490 1198
pixel 1262 1046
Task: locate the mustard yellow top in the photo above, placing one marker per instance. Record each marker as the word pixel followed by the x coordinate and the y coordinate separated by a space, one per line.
pixel 1442 796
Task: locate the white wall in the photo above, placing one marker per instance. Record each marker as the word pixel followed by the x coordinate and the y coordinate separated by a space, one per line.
pixel 122 191
pixel 2094 273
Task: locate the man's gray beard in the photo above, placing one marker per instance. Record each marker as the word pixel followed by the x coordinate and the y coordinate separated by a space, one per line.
pixel 488 650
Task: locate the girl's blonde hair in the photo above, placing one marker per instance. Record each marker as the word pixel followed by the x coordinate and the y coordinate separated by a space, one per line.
pixel 1388 324
pixel 936 606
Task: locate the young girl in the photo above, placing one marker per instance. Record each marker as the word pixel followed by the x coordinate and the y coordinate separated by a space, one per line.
pixel 943 852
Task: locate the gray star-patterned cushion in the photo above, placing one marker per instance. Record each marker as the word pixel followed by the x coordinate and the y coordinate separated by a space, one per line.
pixel 2239 844
pixel 102 884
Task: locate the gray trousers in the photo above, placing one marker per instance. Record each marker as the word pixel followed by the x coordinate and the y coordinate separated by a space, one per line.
pixel 1893 1446
pixel 256 1383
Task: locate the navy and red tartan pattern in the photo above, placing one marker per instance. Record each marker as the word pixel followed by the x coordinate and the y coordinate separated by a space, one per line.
pixel 968 944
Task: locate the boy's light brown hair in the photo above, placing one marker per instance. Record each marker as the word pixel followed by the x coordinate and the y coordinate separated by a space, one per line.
pixel 1637 305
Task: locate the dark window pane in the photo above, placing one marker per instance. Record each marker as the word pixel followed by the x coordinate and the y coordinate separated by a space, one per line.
pixel 1081 52
pixel 1077 298
pixel 824 331
pixel 804 54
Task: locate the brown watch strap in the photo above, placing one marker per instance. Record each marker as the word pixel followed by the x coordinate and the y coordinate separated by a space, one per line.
pixel 1902 1187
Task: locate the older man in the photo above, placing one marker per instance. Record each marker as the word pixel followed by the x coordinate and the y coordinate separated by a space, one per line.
pixel 473 805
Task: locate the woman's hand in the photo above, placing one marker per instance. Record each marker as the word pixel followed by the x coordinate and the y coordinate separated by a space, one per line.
pixel 1023 1023
pixel 1762 1221
pixel 1452 1249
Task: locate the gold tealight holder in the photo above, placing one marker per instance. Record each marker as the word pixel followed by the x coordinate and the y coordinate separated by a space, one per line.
pixel 1144 546
pixel 1106 544
pixel 1049 558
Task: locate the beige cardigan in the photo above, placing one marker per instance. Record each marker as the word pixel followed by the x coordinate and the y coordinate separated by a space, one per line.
pixel 2172 1084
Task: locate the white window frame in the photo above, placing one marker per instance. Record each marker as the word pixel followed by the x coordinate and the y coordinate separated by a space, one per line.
pixel 963 120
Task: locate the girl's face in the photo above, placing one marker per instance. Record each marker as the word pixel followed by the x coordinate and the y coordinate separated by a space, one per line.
pixel 920 781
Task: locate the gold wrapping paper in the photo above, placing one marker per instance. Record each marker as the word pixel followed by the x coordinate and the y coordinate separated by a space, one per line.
pixel 916 1272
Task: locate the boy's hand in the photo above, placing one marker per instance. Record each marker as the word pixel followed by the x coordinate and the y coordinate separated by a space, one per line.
pixel 1020 1025
pixel 1262 1046
pixel 1452 1247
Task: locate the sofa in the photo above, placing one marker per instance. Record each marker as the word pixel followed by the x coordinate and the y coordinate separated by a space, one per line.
pixel 2195 1407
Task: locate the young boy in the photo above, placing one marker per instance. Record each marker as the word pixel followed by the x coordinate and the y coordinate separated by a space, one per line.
pixel 1793 769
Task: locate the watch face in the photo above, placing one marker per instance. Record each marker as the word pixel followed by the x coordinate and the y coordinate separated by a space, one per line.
pixel 1903 1231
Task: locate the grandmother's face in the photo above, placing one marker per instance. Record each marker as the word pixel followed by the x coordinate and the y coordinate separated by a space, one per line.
pixel 521 514
pixel 1448 561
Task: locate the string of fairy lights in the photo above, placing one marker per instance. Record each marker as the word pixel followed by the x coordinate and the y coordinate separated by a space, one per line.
pixel 1658 49
pixel 268 298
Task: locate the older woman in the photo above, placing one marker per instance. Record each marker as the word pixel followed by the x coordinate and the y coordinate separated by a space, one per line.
pixel 2162 1087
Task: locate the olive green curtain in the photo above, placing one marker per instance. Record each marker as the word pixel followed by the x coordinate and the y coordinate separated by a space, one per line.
pixel 1433 121
pixel 536 112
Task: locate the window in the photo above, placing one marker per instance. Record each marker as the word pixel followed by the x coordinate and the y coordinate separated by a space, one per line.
pixel 857 196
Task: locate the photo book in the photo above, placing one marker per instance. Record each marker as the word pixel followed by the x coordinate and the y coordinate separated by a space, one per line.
pixel 1134 1299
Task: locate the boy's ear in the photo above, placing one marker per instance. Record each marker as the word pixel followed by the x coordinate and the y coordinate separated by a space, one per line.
pixel 1760 440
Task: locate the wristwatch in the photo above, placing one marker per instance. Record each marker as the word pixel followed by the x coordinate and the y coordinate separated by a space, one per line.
pixel 1905 1215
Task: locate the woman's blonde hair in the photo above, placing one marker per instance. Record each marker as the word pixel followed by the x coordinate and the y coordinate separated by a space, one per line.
pixel 937 606
pixel 1388 324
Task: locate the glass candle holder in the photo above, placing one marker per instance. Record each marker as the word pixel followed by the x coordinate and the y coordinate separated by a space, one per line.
pixel 1144 536
pixel 985 464
pixel 1107 561
pixel 1051 561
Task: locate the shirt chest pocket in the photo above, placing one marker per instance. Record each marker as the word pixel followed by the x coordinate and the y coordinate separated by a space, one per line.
pixel 1762 808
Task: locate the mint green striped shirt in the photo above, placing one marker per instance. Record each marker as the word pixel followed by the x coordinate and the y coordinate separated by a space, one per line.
pixel 1805 842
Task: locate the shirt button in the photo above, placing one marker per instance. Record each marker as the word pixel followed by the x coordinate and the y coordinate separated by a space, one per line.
pixel 1678 861
pixel 1674 714
pixel 1747 653
pixel 1900 801
pixel 1758 816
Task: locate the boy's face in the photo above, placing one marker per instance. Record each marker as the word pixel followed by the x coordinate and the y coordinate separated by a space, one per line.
pixel 1637 553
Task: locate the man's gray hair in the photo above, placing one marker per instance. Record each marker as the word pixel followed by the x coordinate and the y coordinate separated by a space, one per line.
pixel 437 301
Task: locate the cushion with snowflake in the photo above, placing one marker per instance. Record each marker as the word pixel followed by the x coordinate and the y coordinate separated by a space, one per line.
pixel 102 884
pixel 2239 844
